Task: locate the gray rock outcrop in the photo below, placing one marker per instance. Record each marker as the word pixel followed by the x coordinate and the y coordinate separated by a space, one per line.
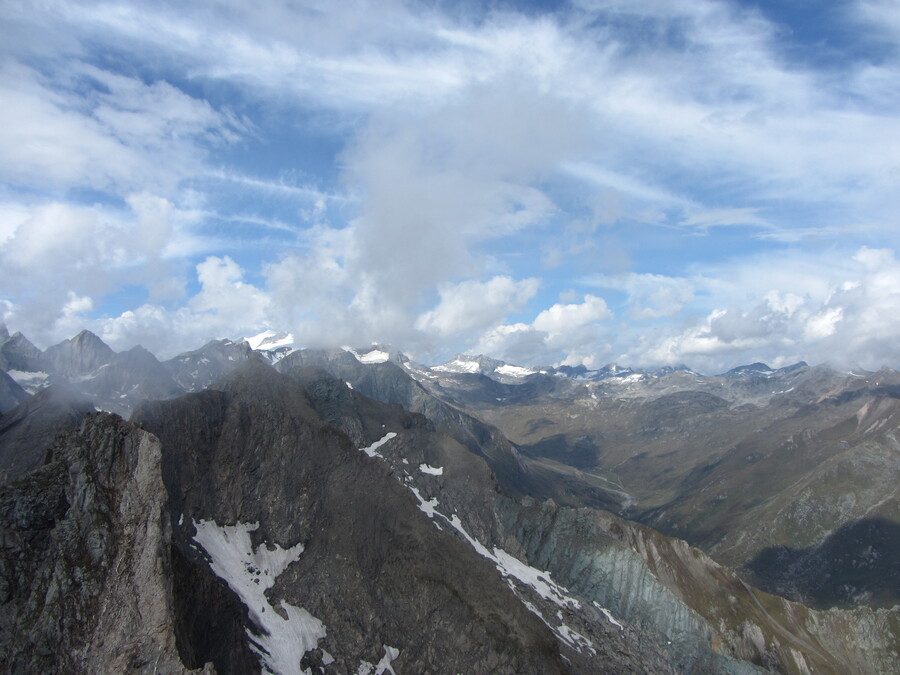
pixel 85 581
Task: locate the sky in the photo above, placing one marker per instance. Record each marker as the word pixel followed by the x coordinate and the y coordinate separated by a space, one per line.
pixel 646 182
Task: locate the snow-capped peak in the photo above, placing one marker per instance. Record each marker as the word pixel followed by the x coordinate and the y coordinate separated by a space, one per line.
pixel 374 355
pixel 269 339
pixel 466 363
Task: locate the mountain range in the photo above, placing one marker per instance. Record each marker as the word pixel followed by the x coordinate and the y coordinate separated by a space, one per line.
pixel 280 510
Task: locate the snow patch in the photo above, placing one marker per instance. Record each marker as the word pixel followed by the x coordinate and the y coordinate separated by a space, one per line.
pixel 349 386
pixel 510 566
pixel 269 339
pixel 609 616
pixel 431 470
pixel 459 366
pixel 383 666
pixel 30 381
pixel 573 638
pixel 374 356
pixel 426 507
pixel 280 643
pixel 514 371
pixel 371 449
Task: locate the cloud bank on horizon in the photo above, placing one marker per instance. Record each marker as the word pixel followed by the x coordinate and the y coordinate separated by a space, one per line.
pixel 650 182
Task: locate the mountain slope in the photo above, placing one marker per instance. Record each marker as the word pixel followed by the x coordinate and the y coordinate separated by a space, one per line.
pixel 11 394
pixel 738 464
pixel 366 545
pixel 386 381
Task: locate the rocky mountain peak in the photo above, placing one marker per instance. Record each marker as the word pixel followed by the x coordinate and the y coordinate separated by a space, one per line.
pixel 20 354
pixel 750 370
pixel 78 355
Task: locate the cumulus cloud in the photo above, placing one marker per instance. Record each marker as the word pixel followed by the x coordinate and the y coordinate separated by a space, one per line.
pixel 225 304
pixel 474 306
pixel 57 250
pixel 570 333
pixel 435 186
pixel 853 321
pixel 561 319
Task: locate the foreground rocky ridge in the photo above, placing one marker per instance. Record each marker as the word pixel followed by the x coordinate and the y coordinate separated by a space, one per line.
pixel 85 571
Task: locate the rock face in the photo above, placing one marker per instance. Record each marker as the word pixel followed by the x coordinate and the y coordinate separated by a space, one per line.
pixel 336 516
pixel 79 355
pixel 196 370
pixel 692 613
pixel 388 382
pixel 11 394
pixel 18 353
pixel 129 378
pixel 85 580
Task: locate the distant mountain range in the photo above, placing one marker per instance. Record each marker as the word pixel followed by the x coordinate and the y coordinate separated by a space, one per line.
pixel 289 510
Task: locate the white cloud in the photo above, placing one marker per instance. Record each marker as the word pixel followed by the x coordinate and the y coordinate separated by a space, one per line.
pixel 470 140
pixel 561 319
pixel 95 129
pixel 225 305
pixel 823 324
pixel 225 295
pixel 475 306
pixel 854 320
pixel 563 333
pixel 57 251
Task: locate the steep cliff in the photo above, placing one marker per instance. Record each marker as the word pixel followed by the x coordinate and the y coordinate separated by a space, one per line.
pixel 85 570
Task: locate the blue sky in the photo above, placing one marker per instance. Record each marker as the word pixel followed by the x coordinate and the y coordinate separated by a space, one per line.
pixel 648 182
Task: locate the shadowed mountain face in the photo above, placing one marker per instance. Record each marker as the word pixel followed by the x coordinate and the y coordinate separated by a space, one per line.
pixel 17 353
pixel 11 394
pixel 619 557
pixel 859 563
pixel 196 370
pixel 115 382
pixel 390 383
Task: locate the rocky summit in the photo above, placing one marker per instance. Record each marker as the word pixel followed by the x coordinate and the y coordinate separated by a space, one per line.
pixel 350 511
